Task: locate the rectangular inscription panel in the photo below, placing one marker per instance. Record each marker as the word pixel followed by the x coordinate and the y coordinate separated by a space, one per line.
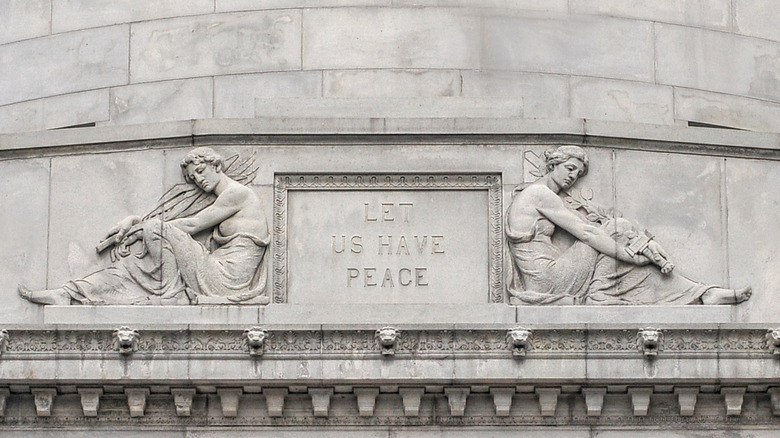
pixel 387 239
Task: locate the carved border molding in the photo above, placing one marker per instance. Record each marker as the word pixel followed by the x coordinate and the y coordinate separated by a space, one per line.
pixel 748 343
pixel 390 181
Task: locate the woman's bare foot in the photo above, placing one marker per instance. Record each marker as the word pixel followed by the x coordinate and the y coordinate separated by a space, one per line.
pixel 53 296
pixel 743 294
pixel 718 295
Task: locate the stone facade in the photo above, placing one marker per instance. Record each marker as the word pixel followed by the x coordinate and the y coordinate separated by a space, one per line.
pixel 390 137
pixel 670 63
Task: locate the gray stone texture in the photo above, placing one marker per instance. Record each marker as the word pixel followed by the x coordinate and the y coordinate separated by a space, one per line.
pixel 753 205
pixel 714 14
pixel 64 63
pixel 234 95
pixel 55 112
pixel 390 83
pixel 579 45
pixel 544 96
pixel 621 101
pixel 756 18
pixel 216 45
pixel 24 194
pixel 717 61
pixel 82 14
pixel 23 19
pixel 162 101
pixel 726 110
pixel 390 38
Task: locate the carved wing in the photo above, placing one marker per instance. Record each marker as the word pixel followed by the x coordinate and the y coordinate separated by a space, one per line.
pixel 186 199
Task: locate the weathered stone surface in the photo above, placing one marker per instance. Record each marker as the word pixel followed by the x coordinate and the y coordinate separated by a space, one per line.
pixel 81 14
pixel 106 188
pixel 216 45
pixel 390 38
pixel 22 19
pixel 390 83
pixel 88 59
pixel 621 101
pixel 369 253
pixel 678 198
pixel 726 110
pixel 162 101
pixel 588 46
pixel 756 18
pixel 379 107
pixel 753 206
pixel 234 95
pixel 24 191
pixel 717 61
pixel 55 112
pixel 248 5
pixel 543 96
pixel 715 14
pixel 559 6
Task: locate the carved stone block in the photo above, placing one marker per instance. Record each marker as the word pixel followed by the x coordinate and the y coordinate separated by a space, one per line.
pixel 387 337
pixel 274 399
pixel 126 340
pixel 650 341
pixel 456 398
pixel 686 397
pixel 182 399
pixel 90 400
pixel 411 399
pixel 548 400
pixel 502 400
pixel 255 340
pixel 640 400
pixel 733 398
pixel 44 398
pixel 366 400
pixel 229 399
pixel 136 400
pixel 594 400
pixel 773 341
pixel 320 400
pixel 4 393
pixel 519 339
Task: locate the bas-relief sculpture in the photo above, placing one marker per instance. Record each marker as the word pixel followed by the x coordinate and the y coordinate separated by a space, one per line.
pixel 612 261
pixel 157 260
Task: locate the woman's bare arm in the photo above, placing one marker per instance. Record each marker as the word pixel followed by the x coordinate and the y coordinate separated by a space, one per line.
pixel 551 206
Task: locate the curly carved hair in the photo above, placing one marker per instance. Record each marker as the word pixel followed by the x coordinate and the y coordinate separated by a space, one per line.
pixel 198 156
pixel 554 157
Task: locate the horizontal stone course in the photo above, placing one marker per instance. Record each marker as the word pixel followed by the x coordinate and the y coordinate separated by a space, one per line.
pixel 714 14
pixel 162 101
pixel 579 45
pixel 622 101
pixel 64 63
pixel 726 110
pixel 70 15
pixel 215 45
pixel 717 61
pixel 23 19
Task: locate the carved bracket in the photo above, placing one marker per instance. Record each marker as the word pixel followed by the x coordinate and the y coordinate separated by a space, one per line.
pixel 182 399
pixel 229 398
pixel 650 341
pixel 519 339
pixel 136 400
pixel 773 341
pixel 126 340
pixel 274 399
pixel 3 340
pixel 388 336
pixel 411 400
pixel 44 398
pixel 90 400
pixel 255 339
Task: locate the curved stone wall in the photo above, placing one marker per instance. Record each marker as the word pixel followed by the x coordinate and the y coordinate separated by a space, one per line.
pixel 84 62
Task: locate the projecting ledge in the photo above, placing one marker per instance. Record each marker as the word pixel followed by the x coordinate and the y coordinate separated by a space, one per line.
pixel 622 315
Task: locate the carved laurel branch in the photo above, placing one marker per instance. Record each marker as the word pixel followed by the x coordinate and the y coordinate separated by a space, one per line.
pixel 489 182
pixel 314 343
